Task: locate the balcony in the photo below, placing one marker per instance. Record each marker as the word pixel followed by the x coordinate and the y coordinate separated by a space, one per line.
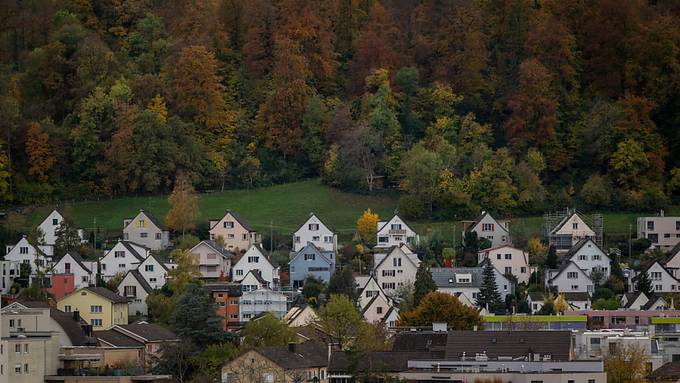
pixel 397 232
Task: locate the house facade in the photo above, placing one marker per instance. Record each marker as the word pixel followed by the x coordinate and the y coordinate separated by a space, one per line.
pixel 135 288
pixel 467 282
pixel 226 297
pixel 569 279
pixel 370 289
pixel 154 271
pixel 663 232
pixel 395 269
pixel 311 261
pixel 9 271
pixel 508 260
pixel 316 232
pixel 24 252
pixel 49 226
pixel 569 231
pixel 234 232
pixel 255 260
pixel 214 262
pixel 254 303
pixel 662 279
pixel 590 257
pixel 98 306
pixel 83 275
pixel 145 230
pixel 486 226
pixel 123 257
pixel 394 233
pixel 379 310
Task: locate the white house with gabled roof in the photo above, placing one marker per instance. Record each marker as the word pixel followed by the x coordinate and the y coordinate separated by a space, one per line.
pixel 24 252
pixel 135 287
pixel 395 269
pixel 153 271
pixel 394 233
pixel 255 260
pixel 83 273
pixel 213 260
pixel 662 279
pixel 508 260
pixel 569 231
pixel 234 232
pixel 49 227
pixel 570 279
pixel 377 309
pixel 486 226
pixel 587 255
pixel 369 290
pixel 145 230
pixel 315 231
pixel 123 257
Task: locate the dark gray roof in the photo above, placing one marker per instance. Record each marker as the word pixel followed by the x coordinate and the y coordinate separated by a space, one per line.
pixel 668 372
pixel 212 244
pixel 142 282
pixel 536 296
pixel 72 328
pixel 237 217
pixel 631 298
pixel 116 339
pixel 232 289
pixel 565 265
pixel 108 294
pixel 149 331
pixel 419 341
pixel 375 362
pixel 158 259
pixel 674 251
pixel 306 355
pixel 653 298
pixel 388 221
pixel 509 344
pixel 576 296
pixel 34 304
pixel 324 254
pixel 446 276
pixel 312 214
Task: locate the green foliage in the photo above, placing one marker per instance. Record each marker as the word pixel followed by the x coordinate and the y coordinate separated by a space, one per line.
pixel 267 331
pixel 341 320
pixel 342 283
pixel 644 284
pixel 606 304
pixel 194 318
pixel 67 238
pixel 488 296
pixel 312 289
pixel 424 283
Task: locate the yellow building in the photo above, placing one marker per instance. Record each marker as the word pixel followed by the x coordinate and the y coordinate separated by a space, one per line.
pixel 100 307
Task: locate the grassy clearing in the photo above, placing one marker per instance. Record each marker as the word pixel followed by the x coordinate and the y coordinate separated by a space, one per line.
pixel 286 206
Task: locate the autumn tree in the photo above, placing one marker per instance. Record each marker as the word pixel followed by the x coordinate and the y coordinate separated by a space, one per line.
pixel 626 364
pixel 183 206
pixel 39 152
pixel 441 307
pixel 367 226
pixel 267 331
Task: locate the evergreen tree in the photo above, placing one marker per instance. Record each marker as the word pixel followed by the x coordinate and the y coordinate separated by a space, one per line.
pixel 488 296
pixel 342 283
pixel 424 282
pixel 615 266
pixel 195 319
pixel 551 261
pixel 644 284
pixel 67 239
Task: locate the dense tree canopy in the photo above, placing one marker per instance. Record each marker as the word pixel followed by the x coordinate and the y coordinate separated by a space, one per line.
pixel 512 105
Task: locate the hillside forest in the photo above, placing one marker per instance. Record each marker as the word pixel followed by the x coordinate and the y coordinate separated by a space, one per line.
pixel 510 105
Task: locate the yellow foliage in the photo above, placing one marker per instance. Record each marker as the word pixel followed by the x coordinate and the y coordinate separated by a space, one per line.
pixel 367 225
pixel 536 247
pixel 157 107
pixel 561 305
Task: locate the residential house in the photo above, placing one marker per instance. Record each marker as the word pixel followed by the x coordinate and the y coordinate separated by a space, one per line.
pixel 9 271
pixel 663 232
pixel 316 232
pixel 226 297
pixel 305 362
pixel 598 345
pixel 395 232
pixel 123 257
pixel 24 252
pixel 214 262
pixel 467 281
pixel 253 281
pixel 497 232
pixel 370 289
pixel 151 335
pixel 569 231
pixel 590 257
pixel 253 303
pixel 135 288
pixel 254 259
pixel 380 310
pixel 311 261
pixel 396 268
pixel 569 279
pixel 98 306
pixel 27 357
pixel 576 301
pixel 142 339
pixel 640 301
pixel 145 230
pixel 663 281
pixel 49 226
pixel 233 232
pixel 667 373
pixel 535 300
pixel 673 260
pixel 154 271
pixel 299 316
pixel 84 273
pixel 508 260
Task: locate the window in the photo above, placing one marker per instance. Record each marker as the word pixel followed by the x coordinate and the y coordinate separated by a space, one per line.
pixel 55 221
pixel 591 380
pixel 487 227
pixel 297 239
pixel 233 316
pixel 244 237
pixel 508 256
pixel 23 250
pixel 396 262
pixel 328 239
pixel 315 238
pixel 650 225
pixel 17 368
pixel 17 348
pixel 130 291
pixel 572 275
pixel 523 270
pixel 463 278
pixel 658 287
pixel 310 257
pixel 388 273
pixel 148 267
pixel 389 285
pixel 25 348
pixel 144 235
pixel 574 287
pixel 96 322
pixel 395 226
pixel 382 239
pixel 582 257
pixel 239 273
pixel 11 323
pixel 378 310
pixel 508 270
pixel 677 225
pixel 230 236
pixel 228 224
pixel 499 256
pixel 67 308
pixel 158 236
pixel 152 280
pixel 313 226
pixel 653 238
pixel 596 257
pixel 141 223
pixel 121 265
pixel 656 275
pixel 574 225
pixel 95 308
pixel 103 266
pixel 253 259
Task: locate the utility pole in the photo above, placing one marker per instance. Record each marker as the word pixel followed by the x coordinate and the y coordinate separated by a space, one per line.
pixel 271 237
pixel 630 245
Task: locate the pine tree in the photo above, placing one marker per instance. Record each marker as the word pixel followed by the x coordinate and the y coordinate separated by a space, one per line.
pixel 342 283
pixel 424 283
pixel 488 296
pixel 644 284
pixel 67 238
pixel 195 319
pixel 551 261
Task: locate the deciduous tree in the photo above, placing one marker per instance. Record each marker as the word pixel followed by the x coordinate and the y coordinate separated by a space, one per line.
pixel 183 206
pixel 441 307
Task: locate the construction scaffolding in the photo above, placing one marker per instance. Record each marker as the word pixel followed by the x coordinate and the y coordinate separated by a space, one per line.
pixel 553 219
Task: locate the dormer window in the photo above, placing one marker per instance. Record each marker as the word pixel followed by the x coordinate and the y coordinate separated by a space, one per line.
pixel 463 278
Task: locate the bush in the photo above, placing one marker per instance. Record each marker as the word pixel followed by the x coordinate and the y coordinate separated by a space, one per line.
pixel 602 293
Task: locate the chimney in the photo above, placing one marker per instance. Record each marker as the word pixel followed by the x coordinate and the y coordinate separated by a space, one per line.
pixel 76 316
pixel 291 347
